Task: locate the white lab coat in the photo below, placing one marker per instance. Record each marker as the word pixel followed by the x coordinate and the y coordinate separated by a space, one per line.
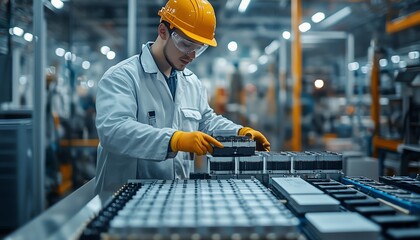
pixel 132 145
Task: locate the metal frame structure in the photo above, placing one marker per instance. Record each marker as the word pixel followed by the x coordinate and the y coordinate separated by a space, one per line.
pixel 297 76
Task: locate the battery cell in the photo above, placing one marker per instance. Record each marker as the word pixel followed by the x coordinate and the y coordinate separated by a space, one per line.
pixel 277 162
pixel 251 164
pixel 201 209
pixel 341 225
pixel 234 146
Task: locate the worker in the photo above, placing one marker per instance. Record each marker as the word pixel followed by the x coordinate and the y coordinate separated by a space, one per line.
pixel 152 112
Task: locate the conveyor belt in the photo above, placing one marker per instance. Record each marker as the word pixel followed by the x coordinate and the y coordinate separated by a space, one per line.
pixel 405 199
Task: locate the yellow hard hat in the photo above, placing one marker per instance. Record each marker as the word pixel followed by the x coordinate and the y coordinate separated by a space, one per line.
pixel 195 18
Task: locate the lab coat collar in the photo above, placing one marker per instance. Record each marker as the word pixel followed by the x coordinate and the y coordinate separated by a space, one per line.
pixel 146 59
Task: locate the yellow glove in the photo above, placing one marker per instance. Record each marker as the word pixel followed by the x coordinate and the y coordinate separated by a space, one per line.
pixel 196 142
pixel 262 142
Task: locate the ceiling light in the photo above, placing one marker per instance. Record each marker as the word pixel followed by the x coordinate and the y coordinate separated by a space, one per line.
pixel 230 4
pixel 67 56
pixel 232 46
pixel 304 27
pixel 57 4
pixel 90 83
pixel 364 69
pixel 60 52
pixel 263 59
pixel 402 64
pixel 86 65
pixel 105 50
pixel 272 47
pixel 336 17
pixel 243 5
pixel 286 35
pixel 413 55
pixel 395 59
pixel 353 66
pixel 110 55
pixel 252 68
pixel 18 31
pixel 383 62
pixel 23 80
pixel 28 37
pixel 384 101
pixel 318 17
pixel 319 83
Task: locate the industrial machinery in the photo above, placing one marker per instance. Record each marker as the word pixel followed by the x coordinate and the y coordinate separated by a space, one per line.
pixel 268 195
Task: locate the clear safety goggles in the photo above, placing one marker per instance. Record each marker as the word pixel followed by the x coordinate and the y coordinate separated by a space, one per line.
pixel 186 46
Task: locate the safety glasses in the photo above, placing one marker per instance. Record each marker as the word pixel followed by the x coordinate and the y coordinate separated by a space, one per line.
pixel 186 46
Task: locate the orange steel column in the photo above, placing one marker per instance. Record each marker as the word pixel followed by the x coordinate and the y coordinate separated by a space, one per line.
pixel 297 76
pixel 374 91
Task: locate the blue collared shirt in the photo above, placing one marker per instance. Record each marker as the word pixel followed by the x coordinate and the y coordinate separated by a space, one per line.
pixel 171 81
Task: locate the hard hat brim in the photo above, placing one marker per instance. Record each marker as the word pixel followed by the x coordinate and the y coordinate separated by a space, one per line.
pixel 210 42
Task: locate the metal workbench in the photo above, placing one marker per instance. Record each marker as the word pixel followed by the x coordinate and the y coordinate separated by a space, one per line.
pixel 66 219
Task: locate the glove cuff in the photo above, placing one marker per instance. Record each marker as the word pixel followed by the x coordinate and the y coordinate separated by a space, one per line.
pixel 174 140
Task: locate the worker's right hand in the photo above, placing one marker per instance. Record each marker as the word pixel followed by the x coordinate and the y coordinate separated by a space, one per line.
pixel 195 142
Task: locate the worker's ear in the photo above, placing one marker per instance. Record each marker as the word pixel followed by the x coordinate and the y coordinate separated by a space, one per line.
pixel 163 31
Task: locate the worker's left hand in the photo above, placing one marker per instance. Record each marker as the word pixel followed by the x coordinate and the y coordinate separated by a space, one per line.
pixel 262 142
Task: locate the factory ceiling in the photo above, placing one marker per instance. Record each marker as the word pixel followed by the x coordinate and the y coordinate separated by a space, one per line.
pixel 94 23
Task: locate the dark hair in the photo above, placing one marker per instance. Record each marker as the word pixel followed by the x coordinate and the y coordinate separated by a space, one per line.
pixel 168 26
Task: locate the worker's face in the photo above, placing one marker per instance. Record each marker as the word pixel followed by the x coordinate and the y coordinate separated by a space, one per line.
pixel 176 57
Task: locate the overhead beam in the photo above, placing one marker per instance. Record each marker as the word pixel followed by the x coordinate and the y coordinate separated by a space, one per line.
pixel 403 22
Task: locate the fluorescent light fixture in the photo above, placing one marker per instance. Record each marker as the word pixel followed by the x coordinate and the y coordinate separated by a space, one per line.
pixel 383 62
pixel 286 35
pixel 243 5
pixel 336 17
pixel 18 31
pixel 263 59
pixel 272 47
pixel 252 68
pixel 57 4
pixel 86 65
pixel 230 4
pixel 395 59
pixel 232 46
pixel 304 27
pixel 318 17
pixel 28 37
pixel 110 55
